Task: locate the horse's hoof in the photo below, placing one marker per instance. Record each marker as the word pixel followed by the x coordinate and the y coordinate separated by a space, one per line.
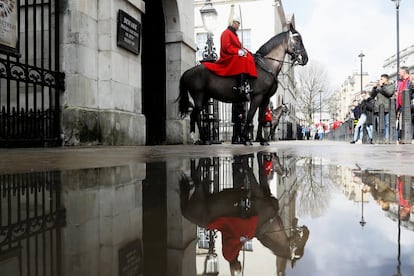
pixel 248 143
pixel 264 143
pixel 198 142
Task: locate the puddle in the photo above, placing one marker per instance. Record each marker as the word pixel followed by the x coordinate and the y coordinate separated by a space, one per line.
pixel 257 214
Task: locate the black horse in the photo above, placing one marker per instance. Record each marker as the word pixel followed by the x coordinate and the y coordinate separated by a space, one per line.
pixel 247 198
pixel 202 84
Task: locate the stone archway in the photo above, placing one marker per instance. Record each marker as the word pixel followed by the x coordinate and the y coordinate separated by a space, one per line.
pixel 180 55
pixel 168 47
pixel 153 73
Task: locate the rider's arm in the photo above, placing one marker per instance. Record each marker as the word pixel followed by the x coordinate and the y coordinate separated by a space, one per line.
pixel 230 44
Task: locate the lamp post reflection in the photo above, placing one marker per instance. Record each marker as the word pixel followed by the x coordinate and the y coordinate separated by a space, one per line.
pixel 211 261
pixel 362 222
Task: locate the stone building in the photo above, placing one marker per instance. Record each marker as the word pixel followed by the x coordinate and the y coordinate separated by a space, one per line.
pixel 105 72
pixel 114 96
pixel 94 72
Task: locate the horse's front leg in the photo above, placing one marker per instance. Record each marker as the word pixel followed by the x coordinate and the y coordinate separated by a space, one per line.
pixel 254 103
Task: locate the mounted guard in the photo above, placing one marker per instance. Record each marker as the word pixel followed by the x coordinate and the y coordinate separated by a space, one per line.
pixel 202 84
pixel 234 59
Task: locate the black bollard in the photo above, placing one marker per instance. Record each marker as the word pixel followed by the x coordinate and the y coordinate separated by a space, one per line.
pixel 406 135
pixel 393 119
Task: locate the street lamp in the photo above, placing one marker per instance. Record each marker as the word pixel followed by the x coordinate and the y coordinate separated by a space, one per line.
pixel 209 15
pixel 397 10
pixel 361 57
pixel 320 107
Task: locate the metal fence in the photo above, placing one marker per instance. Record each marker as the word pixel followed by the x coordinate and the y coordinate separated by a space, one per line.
pixel 401 125
pixel 31 216
pixel 30 80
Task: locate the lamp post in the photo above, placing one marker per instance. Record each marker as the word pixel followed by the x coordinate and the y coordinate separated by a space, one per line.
pixel 209 15
pixel 397 11
pixel 210 114
pixel 361 57
pixel 320 107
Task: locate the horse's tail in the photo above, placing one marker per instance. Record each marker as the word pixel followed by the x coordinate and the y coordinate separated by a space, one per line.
pixel 184 104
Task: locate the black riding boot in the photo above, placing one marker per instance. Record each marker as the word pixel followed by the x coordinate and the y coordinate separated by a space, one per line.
pixel 243 86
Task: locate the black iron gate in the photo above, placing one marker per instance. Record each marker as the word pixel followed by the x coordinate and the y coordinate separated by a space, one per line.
pixel 30 81
pixel 31 219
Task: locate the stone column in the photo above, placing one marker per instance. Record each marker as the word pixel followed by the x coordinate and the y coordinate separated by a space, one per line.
pixel 180 56
pixel 103 219
pixel 102 100
pixel 182 238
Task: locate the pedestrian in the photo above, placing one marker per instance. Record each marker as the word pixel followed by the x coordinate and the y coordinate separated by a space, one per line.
pixel 356 114
pixel 321 131
pixel 366 108
pixel 382 92
pixel 235 60
pixel 404 82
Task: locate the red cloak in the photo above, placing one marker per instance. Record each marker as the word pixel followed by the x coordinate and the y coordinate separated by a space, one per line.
pixel 232 229
pixel 230 63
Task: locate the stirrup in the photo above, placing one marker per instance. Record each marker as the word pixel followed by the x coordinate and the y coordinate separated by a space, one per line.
pixel 246 88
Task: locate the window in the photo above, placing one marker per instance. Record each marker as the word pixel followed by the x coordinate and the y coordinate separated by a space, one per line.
pixel 245 38
pixel 201 39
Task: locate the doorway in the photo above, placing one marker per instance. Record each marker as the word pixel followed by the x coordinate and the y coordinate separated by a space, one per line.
pixel 154 73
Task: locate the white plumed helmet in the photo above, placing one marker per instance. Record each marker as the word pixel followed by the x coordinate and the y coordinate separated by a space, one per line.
pixel 236 18
pixel 233 16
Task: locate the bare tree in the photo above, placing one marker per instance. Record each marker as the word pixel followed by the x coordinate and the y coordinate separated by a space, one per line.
pixel 313 90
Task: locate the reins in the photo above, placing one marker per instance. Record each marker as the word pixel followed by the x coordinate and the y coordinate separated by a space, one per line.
pixel 266 225
pixel 260 61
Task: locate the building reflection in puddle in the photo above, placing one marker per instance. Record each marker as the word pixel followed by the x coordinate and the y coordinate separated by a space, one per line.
pixel 263 213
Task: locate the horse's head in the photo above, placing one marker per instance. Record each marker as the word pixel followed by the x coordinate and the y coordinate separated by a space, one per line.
pixel 296 49
pixel 290 247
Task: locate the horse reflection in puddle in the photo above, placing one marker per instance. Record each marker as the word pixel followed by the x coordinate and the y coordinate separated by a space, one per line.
pixel 242 212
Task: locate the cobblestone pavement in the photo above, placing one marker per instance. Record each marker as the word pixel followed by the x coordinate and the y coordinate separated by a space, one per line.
pixel 397 159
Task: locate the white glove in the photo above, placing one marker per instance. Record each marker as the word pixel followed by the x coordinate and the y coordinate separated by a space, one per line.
pixel 241 52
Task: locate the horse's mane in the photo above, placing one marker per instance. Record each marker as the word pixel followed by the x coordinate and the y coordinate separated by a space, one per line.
pixel 271 44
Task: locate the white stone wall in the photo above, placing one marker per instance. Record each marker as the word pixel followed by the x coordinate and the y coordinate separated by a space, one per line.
pixel 103 213
pixel 102 99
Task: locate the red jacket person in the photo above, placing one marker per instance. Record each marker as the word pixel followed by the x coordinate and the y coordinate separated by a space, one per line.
pixel 234 59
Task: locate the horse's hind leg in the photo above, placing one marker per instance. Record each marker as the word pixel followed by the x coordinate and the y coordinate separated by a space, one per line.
pixel 196 116
pixel 192 127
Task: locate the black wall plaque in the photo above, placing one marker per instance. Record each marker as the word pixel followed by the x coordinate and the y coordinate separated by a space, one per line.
pixel 128 32
pixel 130 259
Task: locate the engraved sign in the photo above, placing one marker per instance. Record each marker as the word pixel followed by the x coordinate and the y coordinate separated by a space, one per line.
pixel 8 23
pixel 128 32
pixel 130 259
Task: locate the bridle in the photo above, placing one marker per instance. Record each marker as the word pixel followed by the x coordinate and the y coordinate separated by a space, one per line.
pixel 296 53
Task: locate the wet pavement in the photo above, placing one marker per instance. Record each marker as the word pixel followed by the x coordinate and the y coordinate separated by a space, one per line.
pixel 394 158
pixel 291 208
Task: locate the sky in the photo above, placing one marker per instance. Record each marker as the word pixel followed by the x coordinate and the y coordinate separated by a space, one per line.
pixel 335 32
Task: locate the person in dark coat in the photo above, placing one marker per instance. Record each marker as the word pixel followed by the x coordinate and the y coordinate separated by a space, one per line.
pixel 382 92
pixel 366 108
